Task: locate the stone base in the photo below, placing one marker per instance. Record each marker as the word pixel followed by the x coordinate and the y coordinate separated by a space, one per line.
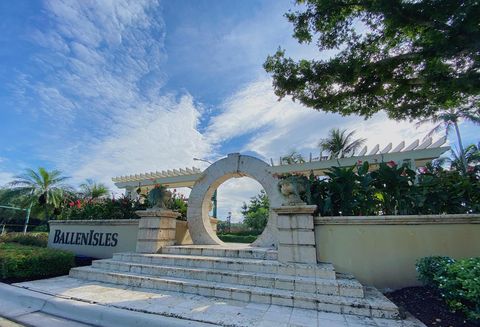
pixel 156 229
pixel 296 237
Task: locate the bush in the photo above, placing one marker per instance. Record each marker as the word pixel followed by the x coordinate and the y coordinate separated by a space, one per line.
pixel 229 238
pixel 123 208
pixel 21 262
pixel 458 282
pixel 429 268
pixel 33 239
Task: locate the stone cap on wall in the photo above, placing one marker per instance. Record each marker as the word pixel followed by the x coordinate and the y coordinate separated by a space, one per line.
pixel 399 220
pixel 95 222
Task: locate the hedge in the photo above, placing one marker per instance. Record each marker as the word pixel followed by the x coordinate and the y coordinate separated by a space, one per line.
pixel 22 262
pixel 229 238
pixel 458 281
pixel 33 239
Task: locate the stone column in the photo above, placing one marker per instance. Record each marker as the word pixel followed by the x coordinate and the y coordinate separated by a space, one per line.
pixel 156 229
pixel 296 237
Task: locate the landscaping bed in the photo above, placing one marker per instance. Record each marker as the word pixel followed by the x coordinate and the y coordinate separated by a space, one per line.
pixel 427 305
pixel 24 262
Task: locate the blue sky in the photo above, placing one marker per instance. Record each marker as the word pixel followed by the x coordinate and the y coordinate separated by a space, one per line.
pixel 106 88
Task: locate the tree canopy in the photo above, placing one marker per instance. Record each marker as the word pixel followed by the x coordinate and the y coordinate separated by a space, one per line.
pixel 408 58
pixel 255 214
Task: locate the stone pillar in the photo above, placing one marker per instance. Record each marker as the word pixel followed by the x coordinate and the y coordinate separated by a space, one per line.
pixel 156 229
pixel 296 237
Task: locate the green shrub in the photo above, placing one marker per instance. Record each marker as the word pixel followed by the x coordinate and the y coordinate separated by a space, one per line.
pixel 458 282
pixel 123 208
pixel 22 262
pixel 229 238
pixel 429 268
pixel 33 239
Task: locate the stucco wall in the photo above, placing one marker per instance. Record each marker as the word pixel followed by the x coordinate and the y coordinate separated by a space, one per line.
pixel 106 244
pixel 382 251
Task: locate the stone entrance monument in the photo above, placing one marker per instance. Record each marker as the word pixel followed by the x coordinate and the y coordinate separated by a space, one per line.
pixel 290 276
pixel 234 165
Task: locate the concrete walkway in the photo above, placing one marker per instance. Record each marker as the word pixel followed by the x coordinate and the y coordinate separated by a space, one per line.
pixel 102 304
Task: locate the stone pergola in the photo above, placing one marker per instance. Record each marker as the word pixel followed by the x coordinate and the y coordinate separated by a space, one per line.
pixel 417 154
pixel 204 183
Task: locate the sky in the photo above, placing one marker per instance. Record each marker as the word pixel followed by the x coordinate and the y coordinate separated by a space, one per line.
pixel 99 89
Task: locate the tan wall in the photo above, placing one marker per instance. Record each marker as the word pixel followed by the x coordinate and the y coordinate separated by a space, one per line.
pixel 182 234
pixel 381 251
pixel 125 235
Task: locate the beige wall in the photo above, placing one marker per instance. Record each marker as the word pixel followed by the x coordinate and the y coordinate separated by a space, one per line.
pixel 105 231
pixel 381 251
pixel 182 234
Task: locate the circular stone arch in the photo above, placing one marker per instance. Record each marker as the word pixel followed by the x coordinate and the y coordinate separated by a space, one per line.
pixel 233 166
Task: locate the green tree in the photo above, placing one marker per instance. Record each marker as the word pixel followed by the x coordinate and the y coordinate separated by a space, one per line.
pixel 339 143
pixel 255 214
pixel 449 119
pixel 42 187
pixel 92 190
pixel 408 58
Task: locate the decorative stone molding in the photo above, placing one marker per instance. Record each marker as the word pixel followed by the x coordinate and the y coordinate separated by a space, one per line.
pixel 399 220
pixel 156 229
pixel 296 237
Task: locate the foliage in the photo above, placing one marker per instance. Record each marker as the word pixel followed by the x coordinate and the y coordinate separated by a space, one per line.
pixel 235 238
pixel 457 280
pixel 429 268
pixel 21 262
pixel 449 119
pixel 122 208
pixel 339 143
pixel 256 213
pixel 409 58
pixel 42 188
pixel 33 239
pixel 391 189
pixel 91 190
pixel 471 155
pixel 179 204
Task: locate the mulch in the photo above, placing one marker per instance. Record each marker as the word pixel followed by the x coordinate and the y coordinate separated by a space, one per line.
pixel 427 305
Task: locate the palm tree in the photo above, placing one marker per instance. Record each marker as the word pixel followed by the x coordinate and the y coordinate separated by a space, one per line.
pixel 42 187
pixel 450 118
pixel 92 190
pixel 471 156
pixel 339 143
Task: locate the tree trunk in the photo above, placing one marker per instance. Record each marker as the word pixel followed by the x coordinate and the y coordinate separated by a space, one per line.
pixel 462 152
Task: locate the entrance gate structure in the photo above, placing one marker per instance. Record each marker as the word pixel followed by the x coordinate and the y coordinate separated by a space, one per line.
pixel 290 276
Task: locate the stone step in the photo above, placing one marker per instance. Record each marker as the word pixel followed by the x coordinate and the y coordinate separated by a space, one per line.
pixel 237 251
pixel 321 270
pixel 373 305
pixel 344 287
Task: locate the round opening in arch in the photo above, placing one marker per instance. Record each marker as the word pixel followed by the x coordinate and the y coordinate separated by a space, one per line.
pixel 242 210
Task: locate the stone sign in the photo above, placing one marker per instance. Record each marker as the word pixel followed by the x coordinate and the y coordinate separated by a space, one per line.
pixel 94 238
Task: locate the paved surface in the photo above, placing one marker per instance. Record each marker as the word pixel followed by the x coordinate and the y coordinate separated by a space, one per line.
pixel 195 308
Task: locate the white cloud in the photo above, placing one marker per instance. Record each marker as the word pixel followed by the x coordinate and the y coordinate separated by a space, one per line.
pixel 101 92
pixel 281 126
pixel 232 194
pixel 159 137
pixel 5 177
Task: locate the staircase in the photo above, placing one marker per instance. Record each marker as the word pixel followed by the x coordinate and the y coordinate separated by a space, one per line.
pixel 244 274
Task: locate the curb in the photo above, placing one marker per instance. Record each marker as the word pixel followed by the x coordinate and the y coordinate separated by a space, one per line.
pixel 16 301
